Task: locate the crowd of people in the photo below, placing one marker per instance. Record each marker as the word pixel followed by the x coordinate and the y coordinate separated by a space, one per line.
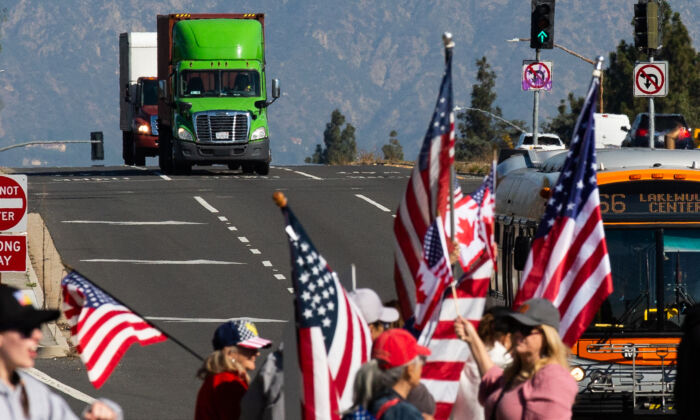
pixel 518 370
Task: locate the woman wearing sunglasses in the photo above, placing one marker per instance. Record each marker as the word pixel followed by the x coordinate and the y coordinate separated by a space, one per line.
pixel 537 385
pixel 22 397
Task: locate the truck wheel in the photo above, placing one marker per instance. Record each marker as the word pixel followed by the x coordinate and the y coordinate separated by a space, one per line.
pixel 165 150
pixel 128 148
pixel 139 157
pixel 262 168
pixel 247 167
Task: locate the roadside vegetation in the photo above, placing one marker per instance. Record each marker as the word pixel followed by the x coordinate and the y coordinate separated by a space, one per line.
pixel 478 133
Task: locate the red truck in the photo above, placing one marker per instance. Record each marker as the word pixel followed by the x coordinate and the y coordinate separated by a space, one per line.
pixel 138 96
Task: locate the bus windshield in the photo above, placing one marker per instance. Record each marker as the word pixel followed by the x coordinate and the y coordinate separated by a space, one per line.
pixel 635 300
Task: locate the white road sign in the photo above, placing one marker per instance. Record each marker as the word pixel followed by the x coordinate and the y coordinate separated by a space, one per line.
pixel 13 203
pixel 537 75
pixel 651 79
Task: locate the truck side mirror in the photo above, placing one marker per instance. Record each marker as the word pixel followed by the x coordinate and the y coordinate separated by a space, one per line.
pixel 625 128
pixel 275 88
pixel 127 93
pixel 521 252
pixel 162 90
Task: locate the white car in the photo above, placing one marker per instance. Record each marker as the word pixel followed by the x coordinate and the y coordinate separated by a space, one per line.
pixel 545 141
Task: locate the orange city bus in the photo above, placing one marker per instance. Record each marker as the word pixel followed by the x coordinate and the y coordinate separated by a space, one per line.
pixel 625 362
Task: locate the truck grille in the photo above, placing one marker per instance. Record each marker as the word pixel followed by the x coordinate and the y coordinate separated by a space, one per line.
pixel 154 125
pixel 222 126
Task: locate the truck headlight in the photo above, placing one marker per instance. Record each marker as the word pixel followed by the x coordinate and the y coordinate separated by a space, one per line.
pixel 144 129
pixel 258 134
pixel 183 134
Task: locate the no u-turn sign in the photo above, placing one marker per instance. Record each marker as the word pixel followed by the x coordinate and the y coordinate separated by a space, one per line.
pixel 651 79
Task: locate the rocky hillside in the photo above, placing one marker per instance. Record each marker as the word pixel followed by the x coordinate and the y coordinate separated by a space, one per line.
pixel 380 63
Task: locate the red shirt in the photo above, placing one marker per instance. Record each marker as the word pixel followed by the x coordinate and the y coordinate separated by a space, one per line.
pixel 219 398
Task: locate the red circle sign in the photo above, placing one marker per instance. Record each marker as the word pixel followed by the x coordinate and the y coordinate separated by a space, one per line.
pixel 537 82
pixel 652 77
pixel 13 203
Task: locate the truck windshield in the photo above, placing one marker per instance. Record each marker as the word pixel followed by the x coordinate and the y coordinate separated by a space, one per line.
pixel 196 83
pixel 149 92
pixel 634 304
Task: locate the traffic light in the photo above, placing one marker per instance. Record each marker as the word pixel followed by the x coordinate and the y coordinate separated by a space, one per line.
pixel 97 149
pixel 542 24
pixel 647 26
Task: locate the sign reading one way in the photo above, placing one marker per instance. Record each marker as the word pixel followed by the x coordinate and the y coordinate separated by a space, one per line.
pixel 13 203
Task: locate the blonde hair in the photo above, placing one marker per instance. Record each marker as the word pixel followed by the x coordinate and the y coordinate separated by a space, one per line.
pixel 221 361
pixel 553 352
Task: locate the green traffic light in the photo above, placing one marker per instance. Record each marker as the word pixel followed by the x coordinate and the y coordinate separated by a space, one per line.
pixel 542 35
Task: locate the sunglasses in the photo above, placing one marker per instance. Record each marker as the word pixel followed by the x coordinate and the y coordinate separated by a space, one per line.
pixel 25 332
pixel 524 330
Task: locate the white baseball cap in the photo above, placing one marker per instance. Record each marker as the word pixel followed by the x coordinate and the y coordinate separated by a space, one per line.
pixel 371 306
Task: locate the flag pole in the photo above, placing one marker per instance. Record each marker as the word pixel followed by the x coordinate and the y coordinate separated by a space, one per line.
pixel 449 45
pixel 165 333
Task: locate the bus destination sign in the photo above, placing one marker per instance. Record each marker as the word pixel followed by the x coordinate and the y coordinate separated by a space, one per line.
pixel 630 202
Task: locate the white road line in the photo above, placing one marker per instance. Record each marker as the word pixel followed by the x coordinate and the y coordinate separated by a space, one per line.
pixel 204 204
pixel 290 290
pixel 140 168
pixel 310 176
pixel 267 263
pixel 280 277
pixel 126 223
pixel 372 202
pixel 243 239
pixel 53 383
pixel 164 262
pixel 165 177
pixel 255 251
pixel 206 320
pixel 232 228
pixel 223 218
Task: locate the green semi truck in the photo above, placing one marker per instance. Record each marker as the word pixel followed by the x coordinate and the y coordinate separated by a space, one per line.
pixel 212 106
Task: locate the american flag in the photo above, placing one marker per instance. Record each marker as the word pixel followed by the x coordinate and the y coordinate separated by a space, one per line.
pixel 426 195
pixel 568 263
pixel 333 339
pixel 474 220
pixel 434 274
pixel 102 328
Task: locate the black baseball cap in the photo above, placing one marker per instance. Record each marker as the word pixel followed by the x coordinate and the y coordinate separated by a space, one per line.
pixel 536 312
pixel 17 311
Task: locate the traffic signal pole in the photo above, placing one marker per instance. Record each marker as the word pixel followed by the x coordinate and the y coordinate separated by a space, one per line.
pixel 652 126
pixel 536 106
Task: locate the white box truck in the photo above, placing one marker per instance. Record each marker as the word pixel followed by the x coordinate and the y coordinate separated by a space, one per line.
pixel 610 129
pixel 138 96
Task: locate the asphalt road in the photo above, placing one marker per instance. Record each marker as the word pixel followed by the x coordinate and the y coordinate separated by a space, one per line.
pixel 186 251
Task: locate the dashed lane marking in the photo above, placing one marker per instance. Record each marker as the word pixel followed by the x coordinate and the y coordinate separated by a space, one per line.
pixel 255 251
pixel 130 223
pixel 206 205
pixel 232 228
pixel 267 263
pixel 280 277
pixel 223 218
pixel 308 175
pixel 243 239
pixel 372 202
pixel 163 262
pixel 165 177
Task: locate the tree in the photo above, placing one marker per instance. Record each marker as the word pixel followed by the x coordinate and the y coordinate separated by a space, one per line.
pixel 684 77
pixel 393 150
pixel 476 128
pixel 341 147
pixel 563 124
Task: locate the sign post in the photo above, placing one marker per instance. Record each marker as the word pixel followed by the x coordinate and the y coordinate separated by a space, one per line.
pixel 13 221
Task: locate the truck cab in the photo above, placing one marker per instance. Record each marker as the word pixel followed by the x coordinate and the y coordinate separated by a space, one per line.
pixel 213 93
